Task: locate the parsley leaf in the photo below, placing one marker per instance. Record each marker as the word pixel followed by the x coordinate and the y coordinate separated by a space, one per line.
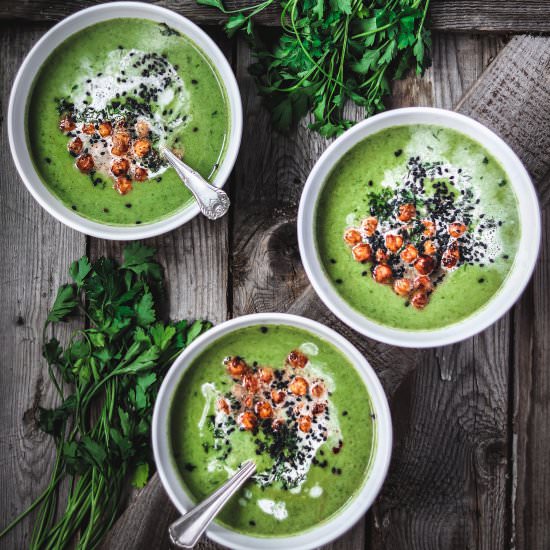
pixel 65 303
pixel 145 311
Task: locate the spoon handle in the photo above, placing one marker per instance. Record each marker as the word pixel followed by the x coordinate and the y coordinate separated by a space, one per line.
pixel 213 202
pixel 186 531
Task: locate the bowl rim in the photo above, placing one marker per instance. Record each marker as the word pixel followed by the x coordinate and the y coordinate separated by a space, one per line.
pixel 515 281
pixel 23 83
pixel 352 511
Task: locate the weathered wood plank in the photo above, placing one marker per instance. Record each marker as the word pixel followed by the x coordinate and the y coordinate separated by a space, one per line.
pixel 447 483
pixel 267 273
pixel 513 98
pixel 531 412
pixel 496 16
pixel 526 126
pixel 195 258
pixel 36 251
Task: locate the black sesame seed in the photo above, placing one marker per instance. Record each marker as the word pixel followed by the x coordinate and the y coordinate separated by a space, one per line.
pixel 73 207
pixel 128 205
pixel 263 329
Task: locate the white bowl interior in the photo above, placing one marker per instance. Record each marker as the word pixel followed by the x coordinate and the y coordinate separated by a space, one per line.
pixel 23 86
pixel 326 531
pixel 524 262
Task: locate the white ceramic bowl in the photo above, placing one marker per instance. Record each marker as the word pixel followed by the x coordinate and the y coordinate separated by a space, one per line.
pixel 324 532
pixel 529 214
pixel 23 85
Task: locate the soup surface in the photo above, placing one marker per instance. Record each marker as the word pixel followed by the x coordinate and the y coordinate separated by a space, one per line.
pixel 290 401
pixel 417 227
pixel 103 103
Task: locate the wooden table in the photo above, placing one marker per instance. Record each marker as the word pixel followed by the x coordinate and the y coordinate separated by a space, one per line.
pixel 471 463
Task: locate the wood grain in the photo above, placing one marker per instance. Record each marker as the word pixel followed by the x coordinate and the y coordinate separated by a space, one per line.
pixel 36 251
pixel 496 16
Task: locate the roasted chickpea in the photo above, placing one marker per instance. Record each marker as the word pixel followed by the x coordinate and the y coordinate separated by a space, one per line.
pixel 223 405
pixel 369 225
pixel 450 256
pixel 140 174
pixel 429 228
pixel 423 283
pixel 394 242
pixel 352 236
pixel 297 359
pixel 248 401
pixel 361 252
pixel 277 424
pixel 142 146
pixel 298 386
pixel 381 256
pixel 304 423
pixel 142 128
pixel 121 142
pixel 75 146
pixel 456 229
pixel 429 248
pixel 424 264
pixel 85 163
pixel 402 287
pixel 409 254
pixel 406 212
pixel 66 124
pixel 88 129
pixel 123 184
pixel 105 129
pixel 382 273
pixel 251 382
pixel 419 299
pixel 277 396
pixel 265 374
pixel 263 409
pixel 247 420
pixel 317 390
pixel 120 167
pixel 235 365
pixel 318 408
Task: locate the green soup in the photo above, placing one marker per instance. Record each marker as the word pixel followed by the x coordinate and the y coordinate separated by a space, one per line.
pixel 450 204
pixel 313 447
pixel 126 71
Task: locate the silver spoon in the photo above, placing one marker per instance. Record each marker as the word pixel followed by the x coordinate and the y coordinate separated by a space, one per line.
pixel 213 202
pixel 186 531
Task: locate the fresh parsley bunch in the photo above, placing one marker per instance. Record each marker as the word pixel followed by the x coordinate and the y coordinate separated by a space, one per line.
pixel 332 51
pixel 107 377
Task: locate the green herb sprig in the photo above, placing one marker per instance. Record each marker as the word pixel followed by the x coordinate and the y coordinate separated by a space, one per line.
pixel 107 377
pixel 332 51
